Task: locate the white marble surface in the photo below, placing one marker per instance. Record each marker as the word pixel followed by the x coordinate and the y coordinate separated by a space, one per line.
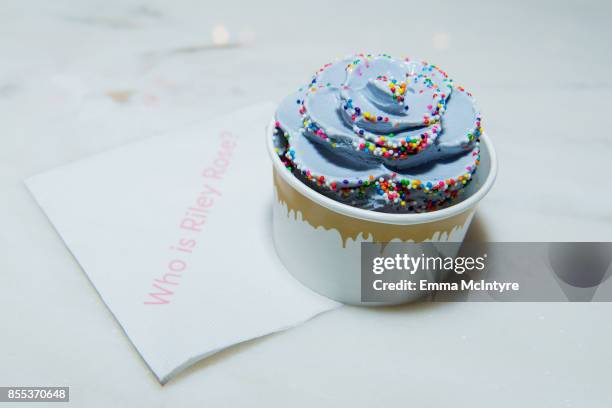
pixel 80 77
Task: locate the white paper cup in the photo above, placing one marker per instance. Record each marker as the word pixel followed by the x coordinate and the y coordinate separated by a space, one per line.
pixel 319 239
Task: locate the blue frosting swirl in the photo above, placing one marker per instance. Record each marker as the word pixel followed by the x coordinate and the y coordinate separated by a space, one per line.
pixel 381 133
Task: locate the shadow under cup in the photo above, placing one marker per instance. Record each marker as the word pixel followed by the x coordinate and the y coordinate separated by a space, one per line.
pixel 319 239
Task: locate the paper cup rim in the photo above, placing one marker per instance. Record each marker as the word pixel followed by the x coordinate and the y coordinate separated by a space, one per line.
pixel 386 218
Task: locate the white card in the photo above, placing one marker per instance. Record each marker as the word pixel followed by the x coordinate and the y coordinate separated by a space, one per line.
pixel 174 233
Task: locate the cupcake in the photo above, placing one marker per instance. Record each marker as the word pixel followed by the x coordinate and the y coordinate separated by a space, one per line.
pixel 373 149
